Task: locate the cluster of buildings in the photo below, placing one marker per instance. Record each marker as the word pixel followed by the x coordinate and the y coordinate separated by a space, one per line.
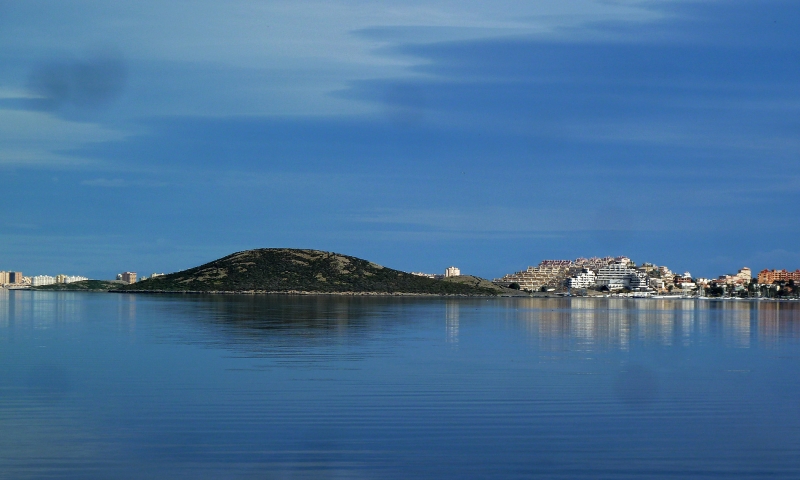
pixel 16 279
pixel 582 272
pixel 622 274
pixel 11 278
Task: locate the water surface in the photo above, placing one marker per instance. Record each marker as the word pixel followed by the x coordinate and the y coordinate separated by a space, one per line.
pixel 149 386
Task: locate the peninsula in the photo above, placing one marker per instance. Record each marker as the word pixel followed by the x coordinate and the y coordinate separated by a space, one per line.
pixel 304 271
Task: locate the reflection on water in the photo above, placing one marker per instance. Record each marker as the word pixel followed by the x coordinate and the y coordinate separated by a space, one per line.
pixel 451 321
pixel 609 323
pixel 270 386
pixel 581 323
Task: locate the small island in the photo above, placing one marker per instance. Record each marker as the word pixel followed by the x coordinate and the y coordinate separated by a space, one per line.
pixel 287 270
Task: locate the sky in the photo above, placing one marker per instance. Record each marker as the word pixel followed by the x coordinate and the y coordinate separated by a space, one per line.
pixel 155 136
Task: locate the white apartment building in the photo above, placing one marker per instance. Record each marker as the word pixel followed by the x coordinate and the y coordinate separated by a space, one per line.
pixel 639 281
pixel 585 279
pixel 618 276
pixel 452 272
pixel 41 280
pixel 74 278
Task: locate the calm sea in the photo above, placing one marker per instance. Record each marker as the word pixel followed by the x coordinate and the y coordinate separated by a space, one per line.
pixel 113 386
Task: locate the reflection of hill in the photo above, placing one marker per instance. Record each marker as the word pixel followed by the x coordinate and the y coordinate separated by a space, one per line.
pixel 278 325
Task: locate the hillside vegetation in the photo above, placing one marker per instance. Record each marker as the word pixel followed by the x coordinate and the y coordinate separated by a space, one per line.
pixel 294 270
pixel 479 282
pixel 82 286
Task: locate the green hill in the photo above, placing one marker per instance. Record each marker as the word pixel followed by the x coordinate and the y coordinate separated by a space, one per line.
pixel 293 270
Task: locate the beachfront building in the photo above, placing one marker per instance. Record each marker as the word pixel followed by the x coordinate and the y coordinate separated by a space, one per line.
pixel 640 282
pixel 684 281
pixel 619 275
pixel 587 278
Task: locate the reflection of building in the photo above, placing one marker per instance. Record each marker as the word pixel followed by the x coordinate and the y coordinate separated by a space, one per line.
pixel 129 277
pixel 592 324
pixel 451 321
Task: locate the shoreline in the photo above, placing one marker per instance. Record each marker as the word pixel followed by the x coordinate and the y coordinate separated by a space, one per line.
pixel 403 294
pixel 297 292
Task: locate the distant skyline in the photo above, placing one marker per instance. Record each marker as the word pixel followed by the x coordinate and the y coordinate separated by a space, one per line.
pixel 152 136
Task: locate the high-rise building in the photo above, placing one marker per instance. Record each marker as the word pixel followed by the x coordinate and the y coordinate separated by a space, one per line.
pixel 15 278
pixel 452 272
pixel 619 275
pixel 4 278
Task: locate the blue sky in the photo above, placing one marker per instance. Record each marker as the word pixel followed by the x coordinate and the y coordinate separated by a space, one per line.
pixel 155 136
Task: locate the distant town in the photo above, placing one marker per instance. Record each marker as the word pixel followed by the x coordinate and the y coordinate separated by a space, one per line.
pixel 17 280
pixel 621 276
pixel 618 276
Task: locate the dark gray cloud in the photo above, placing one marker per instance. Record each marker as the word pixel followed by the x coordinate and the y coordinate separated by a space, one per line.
pixel 81 84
